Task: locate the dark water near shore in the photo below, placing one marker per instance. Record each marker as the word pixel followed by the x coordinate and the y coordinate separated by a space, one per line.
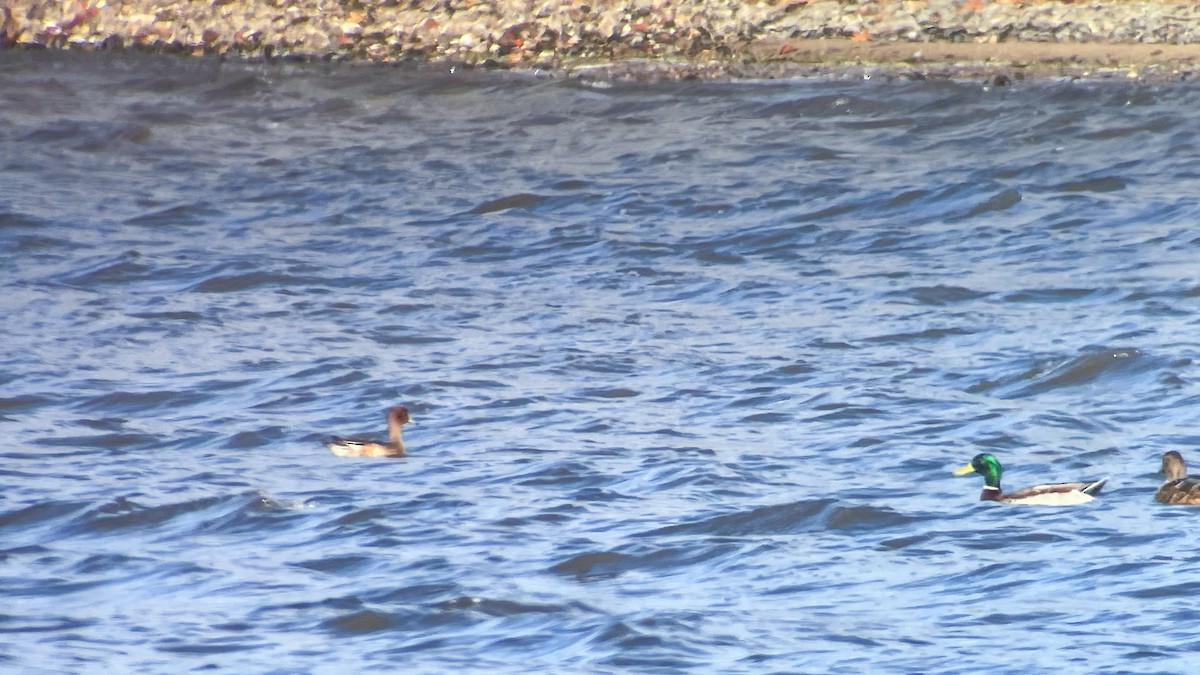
pixel 691 364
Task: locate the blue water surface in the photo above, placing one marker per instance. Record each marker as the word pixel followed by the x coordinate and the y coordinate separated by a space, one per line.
pixel 691 364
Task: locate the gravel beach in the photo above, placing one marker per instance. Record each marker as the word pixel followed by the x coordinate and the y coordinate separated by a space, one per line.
pixel 649 39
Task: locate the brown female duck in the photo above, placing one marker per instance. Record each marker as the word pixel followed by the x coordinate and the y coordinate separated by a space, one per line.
pixel 397 417
pixel 1178 488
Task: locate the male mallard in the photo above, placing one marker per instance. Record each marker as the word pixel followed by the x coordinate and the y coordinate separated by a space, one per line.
pixel 1048 494
pixel 1178 488
pixel 394 447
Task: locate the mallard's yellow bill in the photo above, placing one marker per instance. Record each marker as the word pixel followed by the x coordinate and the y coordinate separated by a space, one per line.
pixel 964 470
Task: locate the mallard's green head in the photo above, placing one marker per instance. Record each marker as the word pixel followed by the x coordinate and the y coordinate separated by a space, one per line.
pixel 986 464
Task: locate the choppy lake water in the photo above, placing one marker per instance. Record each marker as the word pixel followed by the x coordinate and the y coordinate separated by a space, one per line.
pixel 691 365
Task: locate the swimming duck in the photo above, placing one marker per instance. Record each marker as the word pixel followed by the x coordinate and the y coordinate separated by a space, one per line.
pixel 1048 494
pixel 350 447
pixel 1178 488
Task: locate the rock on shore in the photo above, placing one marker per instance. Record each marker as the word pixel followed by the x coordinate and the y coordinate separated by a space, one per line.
pixel 695 37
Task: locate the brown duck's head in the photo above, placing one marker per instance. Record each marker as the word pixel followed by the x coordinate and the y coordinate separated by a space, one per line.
pixel 1173 466
pixel 399 415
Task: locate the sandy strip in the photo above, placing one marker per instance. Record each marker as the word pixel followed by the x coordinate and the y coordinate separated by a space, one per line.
pixel 650 39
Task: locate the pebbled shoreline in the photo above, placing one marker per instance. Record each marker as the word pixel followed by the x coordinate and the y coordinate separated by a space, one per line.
pixel 650 40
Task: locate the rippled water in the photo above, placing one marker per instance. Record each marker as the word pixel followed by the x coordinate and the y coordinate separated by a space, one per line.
pixel 691 364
